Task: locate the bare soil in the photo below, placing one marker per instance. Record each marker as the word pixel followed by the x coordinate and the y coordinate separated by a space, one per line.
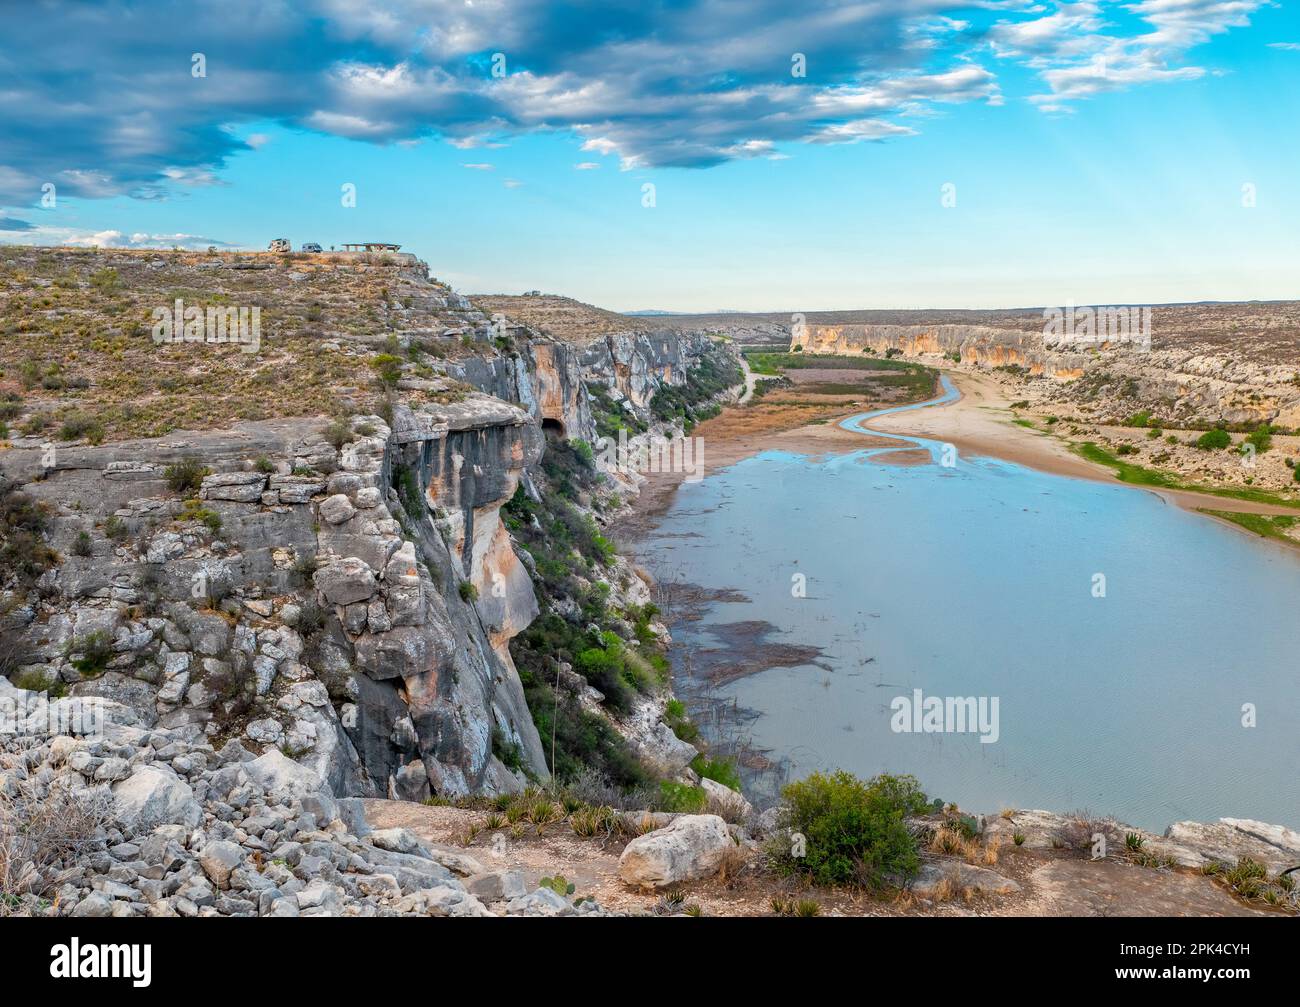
pixel 1053 883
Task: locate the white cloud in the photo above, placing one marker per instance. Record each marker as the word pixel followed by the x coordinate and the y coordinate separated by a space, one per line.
pixel 1078 53
pixel 94 103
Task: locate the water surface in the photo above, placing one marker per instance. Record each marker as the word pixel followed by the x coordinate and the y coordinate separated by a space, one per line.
pixel 978 580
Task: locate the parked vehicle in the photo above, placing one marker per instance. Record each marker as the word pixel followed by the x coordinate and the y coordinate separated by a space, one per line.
pixel 280 245
pixel 310 246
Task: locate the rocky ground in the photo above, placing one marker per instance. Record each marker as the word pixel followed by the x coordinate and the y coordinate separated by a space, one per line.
pixel 130 821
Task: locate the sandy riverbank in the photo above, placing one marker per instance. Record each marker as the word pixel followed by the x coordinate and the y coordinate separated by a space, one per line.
pixel 979 423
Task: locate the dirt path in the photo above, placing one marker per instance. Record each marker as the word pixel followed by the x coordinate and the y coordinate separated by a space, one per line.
pixel 751 382
pixel 1052 883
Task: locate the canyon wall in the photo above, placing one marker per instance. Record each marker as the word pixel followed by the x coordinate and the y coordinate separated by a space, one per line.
pixel 980 346
pixel 1182 378
pixel 344 595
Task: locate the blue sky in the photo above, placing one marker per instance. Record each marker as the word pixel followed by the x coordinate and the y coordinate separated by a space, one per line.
pixel 1097 151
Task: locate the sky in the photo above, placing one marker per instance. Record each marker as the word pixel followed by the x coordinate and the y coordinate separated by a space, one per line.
pixel 686 155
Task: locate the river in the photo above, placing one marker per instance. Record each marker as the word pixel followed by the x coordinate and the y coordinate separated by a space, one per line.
pixel 1144 660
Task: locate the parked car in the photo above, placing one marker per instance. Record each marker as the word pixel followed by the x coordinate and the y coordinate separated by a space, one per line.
pixel 280 245
pixel 310 246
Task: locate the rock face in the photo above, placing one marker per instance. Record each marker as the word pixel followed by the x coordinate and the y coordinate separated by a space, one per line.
pixel 220 608
pixel 571 345
pixel 690 848
pixel 979 345
pixel 1192 366
pixel 347 596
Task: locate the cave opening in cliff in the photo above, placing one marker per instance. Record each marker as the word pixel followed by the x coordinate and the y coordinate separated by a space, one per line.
pixel 553 428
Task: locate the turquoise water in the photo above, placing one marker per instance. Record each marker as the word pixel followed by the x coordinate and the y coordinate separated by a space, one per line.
pixel 978 580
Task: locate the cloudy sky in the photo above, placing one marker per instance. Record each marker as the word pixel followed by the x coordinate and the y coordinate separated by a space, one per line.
pixel 687 155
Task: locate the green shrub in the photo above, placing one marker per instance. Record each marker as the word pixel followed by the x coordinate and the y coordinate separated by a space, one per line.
pixel 1214 440
pixel 96 650
pixel 509 752
pixel 82 546
pixel 854 830
pixel 388 369
pixel 1261 437
pixel 338 433
pixel 36 681
pixel 468 592
pixel 186 476
pixel 679 722
pixel 681 797
pixel 79 425
pixel 23 521
pixel 719 770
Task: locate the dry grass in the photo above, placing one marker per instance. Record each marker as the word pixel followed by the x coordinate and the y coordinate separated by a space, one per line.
pixel 70 347
pixel 39 835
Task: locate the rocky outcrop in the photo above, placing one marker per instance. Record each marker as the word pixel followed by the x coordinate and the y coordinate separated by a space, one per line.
pixel 196 831
pixel 543 377
pixel 197 608
pixel 1177 376
pixel 977 345
pixel 1185 844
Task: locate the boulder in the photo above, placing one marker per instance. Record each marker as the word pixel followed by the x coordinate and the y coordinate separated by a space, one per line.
pixel 960 877
pixel 221 859
pixel 497 886
pixel 152 796
pixel 241 487
pixel 543 902
pixel 347 581
pixel 1230 839
pixel 726 802
pixel 336 509
pixel 275 772
pixel 692 847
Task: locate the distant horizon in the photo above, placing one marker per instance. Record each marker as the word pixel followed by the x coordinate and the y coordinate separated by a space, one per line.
pixel 652 313
pixel 677 313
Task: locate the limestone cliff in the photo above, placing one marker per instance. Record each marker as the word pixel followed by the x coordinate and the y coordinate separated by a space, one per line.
pixel 1203 364
pixel 344 589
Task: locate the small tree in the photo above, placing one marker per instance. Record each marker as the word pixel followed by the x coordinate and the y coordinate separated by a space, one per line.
pixel 388 368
